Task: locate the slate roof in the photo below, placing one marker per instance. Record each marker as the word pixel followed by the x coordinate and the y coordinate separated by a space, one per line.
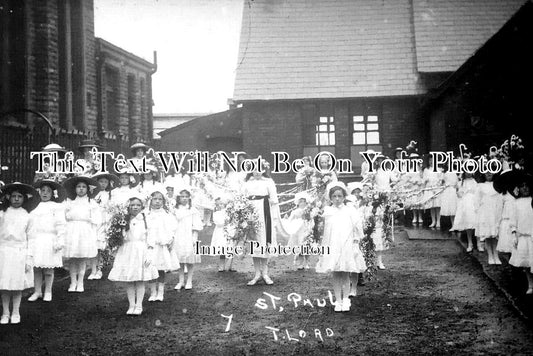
pixel 314 49
pixel 449 32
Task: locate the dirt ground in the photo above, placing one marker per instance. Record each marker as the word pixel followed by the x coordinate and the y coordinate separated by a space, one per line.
pixel 432 299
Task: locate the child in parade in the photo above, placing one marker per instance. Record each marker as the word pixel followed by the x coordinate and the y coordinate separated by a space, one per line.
pixel 149 183
pixel 106 183
pixel 448 203
pixel 505 236
pixel 522 230
pixel 46 234
pixel 299 228
pixel 489 213
pixel 261 192
pixel 432 184
pixel 133 261
pixel 189 223
pixel 465 216
pixel 125 190
pixel 16 261
pixel 342 232
pixel 161 229
pixel 83 217
pixel 219 238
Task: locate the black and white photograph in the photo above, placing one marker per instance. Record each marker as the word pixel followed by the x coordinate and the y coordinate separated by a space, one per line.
pixel 266 177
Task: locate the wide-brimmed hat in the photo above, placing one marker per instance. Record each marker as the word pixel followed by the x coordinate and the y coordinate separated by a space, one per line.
pixel 88 143
pixel 113 179
pixel 138 145
pixel 54 147
pixel 32 196
pixel 70 184
pixel 302 195
pixel 59 191
pixel 508 180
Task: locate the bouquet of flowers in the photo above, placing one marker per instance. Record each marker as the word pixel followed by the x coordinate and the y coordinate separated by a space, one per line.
pixel 242 218
pixel 368 247
pixel 117 226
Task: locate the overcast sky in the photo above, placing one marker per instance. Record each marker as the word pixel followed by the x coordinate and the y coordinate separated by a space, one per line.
pixel 196 42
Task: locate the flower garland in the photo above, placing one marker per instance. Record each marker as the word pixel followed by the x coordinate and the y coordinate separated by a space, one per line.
pixel 116 231
pixel 242 220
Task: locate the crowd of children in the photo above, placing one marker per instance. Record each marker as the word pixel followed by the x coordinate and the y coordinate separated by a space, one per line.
pixel 62 222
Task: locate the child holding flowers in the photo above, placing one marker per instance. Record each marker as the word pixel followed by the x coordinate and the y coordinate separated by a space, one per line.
pixel 161 230
pixel 300 227
pixel 343 230
pixel 133 261
pixel 188 224
pixel 219 238
pixel 16 261
pixel 106 183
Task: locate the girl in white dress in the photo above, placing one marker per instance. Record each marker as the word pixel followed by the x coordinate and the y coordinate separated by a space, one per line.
pixel 149 183
pixel 465 216
pixel 122 194
pixel 16 261
pixel 189 223
pixel 448 203
pixel 46 233
pixel 106 183
pixel 489 213
pixel 133 261
pixel 261 191
pixel 505 236
pixel 219 239
pixel 522 230
pixel 161 230
pixel 83 217
pixel 343 229
pixel 432 181
pixel 299 228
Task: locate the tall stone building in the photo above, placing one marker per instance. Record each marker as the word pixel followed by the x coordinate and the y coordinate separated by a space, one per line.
pixel 51 62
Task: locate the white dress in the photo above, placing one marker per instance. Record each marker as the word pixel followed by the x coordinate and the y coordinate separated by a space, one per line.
pixel 262 194
pixel 505 236
pixel 522 223
pixel 46 233
pixel 103 200
pixel 489 211
pixel 378 235
pixel 121 195
pixel 146 189
pixel 382 180
pixel 219 237
pixel 298 228
pixel 161 229
pixel 188 220
pixel 83 217
pixel 448 200
pixel 465 216
pixel 14 251
pixel 343 229
pixel 431 180
pixel 131 257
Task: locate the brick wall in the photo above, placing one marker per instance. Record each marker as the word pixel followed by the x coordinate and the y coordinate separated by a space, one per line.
pixel 90 66
pixel 43 72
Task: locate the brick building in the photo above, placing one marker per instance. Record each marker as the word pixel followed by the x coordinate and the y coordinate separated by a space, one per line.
pixel 51 62
pixel 348 75
pixel 484 101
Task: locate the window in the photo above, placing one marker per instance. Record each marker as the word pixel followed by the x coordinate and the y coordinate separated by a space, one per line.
pixel 365 130
pixel 325 131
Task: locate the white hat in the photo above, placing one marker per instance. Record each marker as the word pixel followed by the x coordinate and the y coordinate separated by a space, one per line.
pixel 302 195
pixel 334 185
pixel 354 185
